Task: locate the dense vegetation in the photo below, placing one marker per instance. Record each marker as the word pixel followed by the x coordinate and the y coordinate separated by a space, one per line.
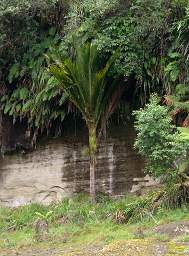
pixel 150 41
pixel 90 58
pixel 152 37
pixel 76 224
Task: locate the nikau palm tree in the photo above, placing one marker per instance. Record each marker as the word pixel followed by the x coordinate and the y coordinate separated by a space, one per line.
pixel 87 87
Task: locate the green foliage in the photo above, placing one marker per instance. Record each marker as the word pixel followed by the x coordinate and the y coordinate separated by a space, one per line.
pixel 176 195
pixel 141 208
pixel 152 38
pixel 31 93
pixel 134 31
pixel 37 91
pixel 177 104
pixel 79 210
pixel 184 133
pixel 23 103
pixel 83 15
pixel 16 6
pixel 113 24
pixel 21 217
pixel 144 31
pixel 78 221
pixel 85 82
pixel 159 141
pixel 47 216
pixel 182 92
pixel 176 71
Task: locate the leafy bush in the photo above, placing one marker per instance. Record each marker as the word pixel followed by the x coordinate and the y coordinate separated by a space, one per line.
pixel 37 91
pixel 159 141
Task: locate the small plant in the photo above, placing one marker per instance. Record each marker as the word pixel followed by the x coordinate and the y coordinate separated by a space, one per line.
pixel 47 216
pixel 9 243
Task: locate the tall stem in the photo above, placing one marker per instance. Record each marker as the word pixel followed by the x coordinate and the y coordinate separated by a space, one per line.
pixel 92 150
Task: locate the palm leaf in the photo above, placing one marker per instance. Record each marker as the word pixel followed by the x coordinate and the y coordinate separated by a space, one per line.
pixel 84 82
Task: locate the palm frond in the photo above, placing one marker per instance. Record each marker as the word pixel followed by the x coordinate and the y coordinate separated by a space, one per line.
pixel 84 81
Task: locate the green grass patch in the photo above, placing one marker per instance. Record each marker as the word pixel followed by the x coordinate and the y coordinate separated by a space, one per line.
pixel 78 221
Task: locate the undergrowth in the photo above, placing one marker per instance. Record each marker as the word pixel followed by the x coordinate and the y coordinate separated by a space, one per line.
pixel 78 220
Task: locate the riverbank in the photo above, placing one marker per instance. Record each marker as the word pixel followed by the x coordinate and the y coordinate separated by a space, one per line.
pixel 76 227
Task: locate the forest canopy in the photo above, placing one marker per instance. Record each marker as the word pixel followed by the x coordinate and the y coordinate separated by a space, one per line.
pixel 152 38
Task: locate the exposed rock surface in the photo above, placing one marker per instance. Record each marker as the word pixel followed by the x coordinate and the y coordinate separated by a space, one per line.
pixel 58 168
pixel 173 230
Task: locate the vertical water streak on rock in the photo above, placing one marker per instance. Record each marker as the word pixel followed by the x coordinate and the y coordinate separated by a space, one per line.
pixel 74 162
pixel 111 168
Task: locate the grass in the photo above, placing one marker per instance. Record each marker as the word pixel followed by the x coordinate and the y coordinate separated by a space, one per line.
pixel 184 133
pixel 184 238
pixel 78 221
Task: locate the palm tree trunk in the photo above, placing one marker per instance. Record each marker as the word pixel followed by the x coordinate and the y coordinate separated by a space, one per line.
pixel 92 178
pixel 92 151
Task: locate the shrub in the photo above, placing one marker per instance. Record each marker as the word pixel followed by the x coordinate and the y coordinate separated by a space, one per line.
pixel 159 141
